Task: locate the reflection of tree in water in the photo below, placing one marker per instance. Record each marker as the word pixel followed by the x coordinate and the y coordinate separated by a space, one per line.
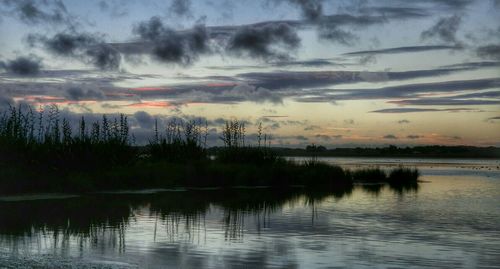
pixel 398 188
pixel 89 221
pixel 102 221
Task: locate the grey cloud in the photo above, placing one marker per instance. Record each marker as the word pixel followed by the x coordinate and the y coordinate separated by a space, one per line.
pixel 445 29
pixel 35 12
pixel 413 136
pixel 396 12
pixel 266 42
pixel 390 136
pixel 301 137
pixel 181 7
pixel 490 52
pixel 311 79
pixel 337 35
pixel 446 102
pixel 349 121
pixel 144 119
pixel 414 110
pixel 311 9
pixel 404 50
pixel 77 94
pixel 323 137
pixel 87 47
pixel 116 8
pixel 408 91
pixel 23 65
pixel 171 46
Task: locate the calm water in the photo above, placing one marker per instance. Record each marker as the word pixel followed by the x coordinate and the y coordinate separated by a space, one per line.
pixel 452 220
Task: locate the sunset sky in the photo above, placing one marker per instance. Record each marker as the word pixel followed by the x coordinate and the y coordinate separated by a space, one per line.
pixel 336 73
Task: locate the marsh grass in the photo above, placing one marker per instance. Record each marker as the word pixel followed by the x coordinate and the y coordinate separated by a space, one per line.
pixel 40 151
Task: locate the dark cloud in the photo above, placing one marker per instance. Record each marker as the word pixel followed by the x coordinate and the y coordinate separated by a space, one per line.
pixel 390 136
pixel 77 94
pixel 269 42
pixel 181 7
pixel 24 65
pixel 35 12
pixel 144 119
pixel 489 52
pixel 89 48
pixel 311 9
pixel 301 137
pixel 308 63
pixel 445 102
pixel 171 46
pixel 473 65
pixel 313 79
pixel 413 110
pixel 445 29
pixel 323 137
pixel 337 35
pixel 404 50
pixel 116 8
pixel 407 12
pixel 408 91
pixel 413 136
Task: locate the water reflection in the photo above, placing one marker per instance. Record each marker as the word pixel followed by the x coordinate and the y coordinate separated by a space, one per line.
pixel 102 217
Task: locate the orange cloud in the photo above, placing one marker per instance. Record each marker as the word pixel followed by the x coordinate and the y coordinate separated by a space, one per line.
pixel 150 104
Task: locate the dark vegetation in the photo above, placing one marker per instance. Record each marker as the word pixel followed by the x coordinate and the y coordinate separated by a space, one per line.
pixel 40 152
pixel 394 151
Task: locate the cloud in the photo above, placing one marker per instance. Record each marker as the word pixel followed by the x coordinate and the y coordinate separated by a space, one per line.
pixel 144 119
pixel 23 65
pixel 445 102
pixel 445 29
pixel 409 49
pixel 493 119
pixel 77 94
pixel 390 136
pixel 413 110
pixel 89 48
pixel 337 35
pixel 407 91
pixel 33 12
pixel 302 138
pixel 349 121
pixel 489 52
pixel 116 8
pixel 269 42
pixel 403 121
pixel 323 137
pixel 171 46
pixel 413 136
pixel 181 8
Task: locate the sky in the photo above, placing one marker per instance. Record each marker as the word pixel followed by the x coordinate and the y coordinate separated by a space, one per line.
pixel 330 72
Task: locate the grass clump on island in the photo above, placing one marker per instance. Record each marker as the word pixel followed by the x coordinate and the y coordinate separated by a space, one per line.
pixel 41 152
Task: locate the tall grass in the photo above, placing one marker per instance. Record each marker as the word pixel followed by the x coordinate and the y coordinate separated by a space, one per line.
pixel 236 150
pixel 41 151
pixel 43 138
pixel 180 142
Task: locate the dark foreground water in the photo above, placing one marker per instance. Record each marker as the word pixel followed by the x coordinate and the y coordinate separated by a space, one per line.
pixel 452 220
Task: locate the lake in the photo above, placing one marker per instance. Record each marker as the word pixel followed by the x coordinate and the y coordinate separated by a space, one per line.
pixel 450 220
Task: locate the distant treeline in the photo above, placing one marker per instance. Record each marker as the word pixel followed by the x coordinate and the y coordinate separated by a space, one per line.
pixel 393 151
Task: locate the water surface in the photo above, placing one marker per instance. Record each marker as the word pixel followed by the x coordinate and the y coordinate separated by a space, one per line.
pixel 451 220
